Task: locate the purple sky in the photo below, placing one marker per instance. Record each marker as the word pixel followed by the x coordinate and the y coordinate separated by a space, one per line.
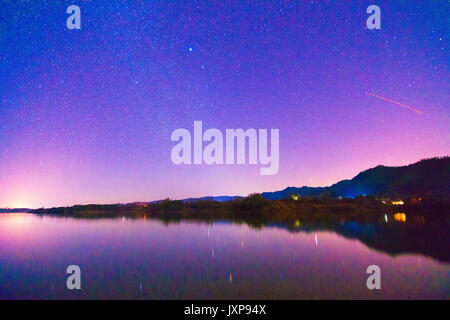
pixel 86 115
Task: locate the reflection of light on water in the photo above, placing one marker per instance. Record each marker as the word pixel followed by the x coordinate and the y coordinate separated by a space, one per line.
pixel 419 219
pixel 49 242
pixel 315 237
pixel 386 218
pixel 16 220
pixel 400 217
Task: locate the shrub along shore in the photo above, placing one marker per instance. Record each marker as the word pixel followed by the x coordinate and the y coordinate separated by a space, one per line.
pixel 253 208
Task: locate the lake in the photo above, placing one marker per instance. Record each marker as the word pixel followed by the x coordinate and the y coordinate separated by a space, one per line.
pixel 150 259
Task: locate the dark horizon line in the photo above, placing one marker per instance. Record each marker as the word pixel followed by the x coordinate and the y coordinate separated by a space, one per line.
pixel 226 196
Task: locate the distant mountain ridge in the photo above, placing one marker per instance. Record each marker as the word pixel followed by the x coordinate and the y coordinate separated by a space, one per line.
pixel 428 177
pixel 207 198
pixel 15 210
pixel 211 198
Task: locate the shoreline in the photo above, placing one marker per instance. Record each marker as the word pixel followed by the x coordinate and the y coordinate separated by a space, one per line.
pixel 257 208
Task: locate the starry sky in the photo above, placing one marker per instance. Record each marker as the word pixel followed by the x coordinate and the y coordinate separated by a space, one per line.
pixel 86 115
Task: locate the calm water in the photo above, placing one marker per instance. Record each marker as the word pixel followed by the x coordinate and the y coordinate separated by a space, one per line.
pixel 122 258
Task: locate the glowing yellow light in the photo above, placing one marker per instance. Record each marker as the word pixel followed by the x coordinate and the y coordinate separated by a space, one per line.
pixel 296 224
pixel 400 217
pixel 398 203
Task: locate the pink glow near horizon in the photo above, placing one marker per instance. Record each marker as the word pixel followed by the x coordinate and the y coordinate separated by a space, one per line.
pixel 86 117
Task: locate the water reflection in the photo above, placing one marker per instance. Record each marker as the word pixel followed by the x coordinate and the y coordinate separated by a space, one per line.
pixel 151 259
pixel 390 235
pixel 400 217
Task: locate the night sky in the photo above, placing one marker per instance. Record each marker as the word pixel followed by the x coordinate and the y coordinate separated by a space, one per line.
pixel 86 115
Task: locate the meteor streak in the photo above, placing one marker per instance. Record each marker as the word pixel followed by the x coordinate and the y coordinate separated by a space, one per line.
pixel 393 101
